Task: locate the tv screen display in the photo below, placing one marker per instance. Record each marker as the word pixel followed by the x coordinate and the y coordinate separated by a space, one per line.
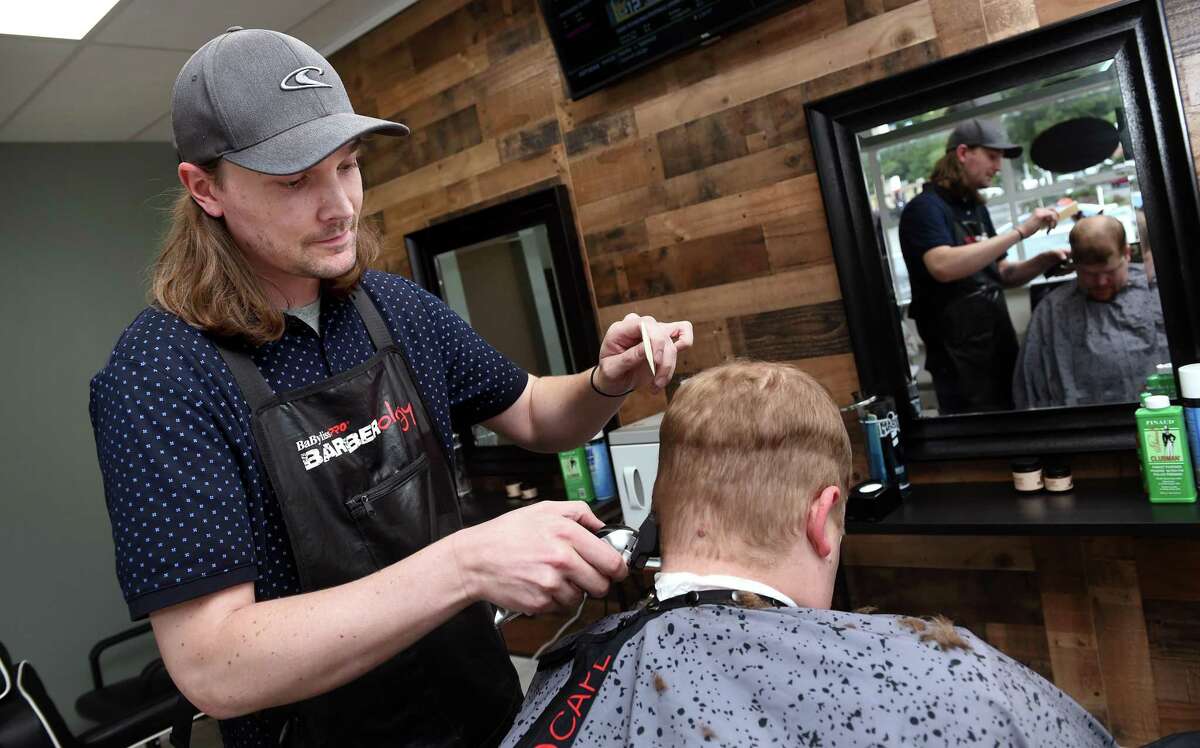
pixel 601 41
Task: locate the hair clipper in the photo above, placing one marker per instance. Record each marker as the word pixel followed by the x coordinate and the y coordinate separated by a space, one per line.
pixel 635 547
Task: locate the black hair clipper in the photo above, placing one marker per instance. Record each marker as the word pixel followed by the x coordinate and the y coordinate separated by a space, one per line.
pixel 635 547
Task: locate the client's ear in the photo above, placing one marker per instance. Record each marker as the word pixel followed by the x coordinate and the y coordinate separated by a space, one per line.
pixel 817 522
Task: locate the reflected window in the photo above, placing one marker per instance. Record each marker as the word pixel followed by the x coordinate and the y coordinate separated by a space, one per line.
pixel 899 157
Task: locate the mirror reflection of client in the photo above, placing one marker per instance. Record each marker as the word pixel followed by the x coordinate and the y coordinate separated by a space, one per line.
pixel 956 267
pixel 738 646
pixel 1096 338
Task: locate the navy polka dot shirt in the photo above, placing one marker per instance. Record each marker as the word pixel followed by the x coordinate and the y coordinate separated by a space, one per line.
pixel 191 509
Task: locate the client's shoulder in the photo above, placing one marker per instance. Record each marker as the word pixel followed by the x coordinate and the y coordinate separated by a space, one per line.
pixel 742 675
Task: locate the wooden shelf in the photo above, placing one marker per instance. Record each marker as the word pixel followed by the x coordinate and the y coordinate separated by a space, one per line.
pixel 1095 507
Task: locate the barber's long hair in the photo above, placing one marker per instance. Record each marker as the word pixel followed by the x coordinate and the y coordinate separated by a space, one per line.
pixel 203 277
pixel 948 173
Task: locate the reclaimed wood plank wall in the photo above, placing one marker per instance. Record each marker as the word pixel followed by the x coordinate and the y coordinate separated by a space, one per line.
pixel 1100 617
pixel 696 197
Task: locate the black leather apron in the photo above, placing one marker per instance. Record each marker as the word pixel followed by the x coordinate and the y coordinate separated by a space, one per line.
pixel 969 337
pixel 363 481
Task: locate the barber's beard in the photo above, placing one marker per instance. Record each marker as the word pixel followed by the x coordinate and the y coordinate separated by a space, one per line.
pixel 982 183
pixel 318 262
pixel 275 262
pixel 967 193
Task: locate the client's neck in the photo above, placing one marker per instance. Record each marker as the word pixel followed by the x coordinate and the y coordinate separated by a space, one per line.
pixel 801 579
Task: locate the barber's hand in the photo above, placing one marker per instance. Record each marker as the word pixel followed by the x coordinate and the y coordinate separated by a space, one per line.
pixel 1042 218
pixel 1057 261
pixel 623 357
pixel 537 559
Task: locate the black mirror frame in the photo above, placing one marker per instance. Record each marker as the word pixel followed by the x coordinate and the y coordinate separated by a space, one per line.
pixel 552 207
pixel 1135 34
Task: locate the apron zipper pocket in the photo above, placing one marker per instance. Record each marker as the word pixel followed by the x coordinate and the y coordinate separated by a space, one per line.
pixel 360 505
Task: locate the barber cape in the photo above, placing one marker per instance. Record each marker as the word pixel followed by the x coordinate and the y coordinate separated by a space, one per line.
pixel 1078 351
pixel 719 674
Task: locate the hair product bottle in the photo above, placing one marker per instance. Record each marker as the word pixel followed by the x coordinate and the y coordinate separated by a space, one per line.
pixel 1166 459
pixel 1057 478
pixel 600 466
pixel 1189 386
pixel 1027 474
pixel 881 427
pixel 577 479
pixel 1162 382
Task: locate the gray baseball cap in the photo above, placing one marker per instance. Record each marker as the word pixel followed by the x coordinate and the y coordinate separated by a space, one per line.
pixel 265 101
pixel 976 132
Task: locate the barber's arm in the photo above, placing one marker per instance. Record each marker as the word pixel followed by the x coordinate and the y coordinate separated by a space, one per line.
pixel 555 413
pixel 948 264
pixel 1014 274
pixel 231 655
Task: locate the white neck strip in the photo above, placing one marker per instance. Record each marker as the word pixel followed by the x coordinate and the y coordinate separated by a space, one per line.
pixel 672 584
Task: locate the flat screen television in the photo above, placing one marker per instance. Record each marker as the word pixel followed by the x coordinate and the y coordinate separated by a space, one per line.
pixel 601 41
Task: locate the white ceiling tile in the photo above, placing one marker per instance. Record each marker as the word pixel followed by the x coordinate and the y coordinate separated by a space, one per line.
pixel 27 64
pixel 342 21
pixel 103 94
pixel 114 93
pixel 57 19
pixel 158 132
pixel 187 24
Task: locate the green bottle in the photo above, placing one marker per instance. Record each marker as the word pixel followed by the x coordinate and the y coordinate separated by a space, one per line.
pixel 1166 460
pixel 1162 382
pixel 1141 444
pixel 577 478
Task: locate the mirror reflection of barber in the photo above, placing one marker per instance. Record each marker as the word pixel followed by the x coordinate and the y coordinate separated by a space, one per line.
pixel 956 264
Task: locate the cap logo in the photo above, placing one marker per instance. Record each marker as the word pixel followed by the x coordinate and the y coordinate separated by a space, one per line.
pixel 298 79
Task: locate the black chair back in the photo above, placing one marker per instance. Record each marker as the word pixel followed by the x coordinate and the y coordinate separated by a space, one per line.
pixel 28 718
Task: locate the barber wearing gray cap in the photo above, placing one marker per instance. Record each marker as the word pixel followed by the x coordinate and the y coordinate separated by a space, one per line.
pixel 273 433
pixel 957 269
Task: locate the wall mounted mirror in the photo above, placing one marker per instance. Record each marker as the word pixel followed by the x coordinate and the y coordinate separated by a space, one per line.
pixel 1024 352
pixel 505 287
pixel 1066 335
pixel 514 272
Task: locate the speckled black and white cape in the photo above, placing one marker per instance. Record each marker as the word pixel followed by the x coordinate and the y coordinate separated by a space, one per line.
pixel 722 675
